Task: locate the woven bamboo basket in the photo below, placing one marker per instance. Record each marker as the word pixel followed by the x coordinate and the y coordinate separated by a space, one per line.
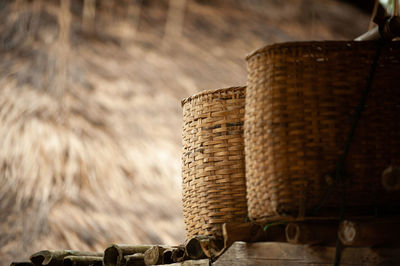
pixel 213 168
pixel 300 103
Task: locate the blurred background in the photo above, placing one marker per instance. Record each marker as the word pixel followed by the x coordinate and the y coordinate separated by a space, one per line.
pixel 90 115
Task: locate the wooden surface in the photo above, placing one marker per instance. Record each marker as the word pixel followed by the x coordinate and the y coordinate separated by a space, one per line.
pixel 203 262
pixel 270 253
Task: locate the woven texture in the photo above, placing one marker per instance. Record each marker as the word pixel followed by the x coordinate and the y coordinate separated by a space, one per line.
pixel 300 101
pixel 213 169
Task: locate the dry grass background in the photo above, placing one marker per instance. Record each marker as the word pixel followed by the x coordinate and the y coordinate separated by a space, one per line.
pixel 90 118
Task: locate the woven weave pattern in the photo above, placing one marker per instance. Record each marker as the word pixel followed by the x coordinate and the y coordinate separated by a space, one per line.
pixel 213 170
pixel 300 101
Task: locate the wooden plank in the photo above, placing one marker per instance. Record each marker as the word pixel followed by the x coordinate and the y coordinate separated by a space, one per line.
pixel 203 262
pixel 284 254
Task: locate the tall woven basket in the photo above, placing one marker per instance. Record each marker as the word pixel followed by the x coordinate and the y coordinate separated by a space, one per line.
pixel 300 106
pixel 213 169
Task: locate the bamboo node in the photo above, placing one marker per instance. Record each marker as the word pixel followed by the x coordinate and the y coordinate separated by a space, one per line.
pixel 347 232
pixel 391 178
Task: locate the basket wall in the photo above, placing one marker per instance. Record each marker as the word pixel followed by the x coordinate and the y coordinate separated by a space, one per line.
pixel 300 101
pixel 213 169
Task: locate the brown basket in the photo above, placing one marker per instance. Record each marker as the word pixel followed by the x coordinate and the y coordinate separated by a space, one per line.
pixel 213 170
pixel 300 102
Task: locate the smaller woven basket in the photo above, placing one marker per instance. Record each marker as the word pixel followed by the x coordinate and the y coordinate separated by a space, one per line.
pixel 213 169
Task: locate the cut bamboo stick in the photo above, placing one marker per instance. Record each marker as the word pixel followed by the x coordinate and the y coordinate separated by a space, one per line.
pixel 372 233
pixel 312 233
pixel 391 178
pixel 167 256
pixel 82 261
pixel 178 254
pixel 193 249
pixel 154 255
pixel 56 257
pixel 114 254
pixel 200 247
pixel 212 246
pixel 136 259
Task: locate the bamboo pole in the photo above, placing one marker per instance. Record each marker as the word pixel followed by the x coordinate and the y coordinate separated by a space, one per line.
pixel 249 232
pixel 391 178
pixel 372 233
pixel 82 261
pixel 372 34
pixel 312 233
pixel 389 30
pixel 56 257
pixel 114 254
pixel 136 259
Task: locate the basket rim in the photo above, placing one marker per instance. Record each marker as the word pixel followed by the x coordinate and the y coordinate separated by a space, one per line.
pixel 210 92
pixel 276 46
